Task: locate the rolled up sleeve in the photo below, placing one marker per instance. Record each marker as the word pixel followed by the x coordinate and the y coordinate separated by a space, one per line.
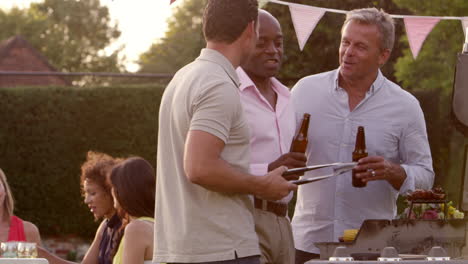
pixel 416 155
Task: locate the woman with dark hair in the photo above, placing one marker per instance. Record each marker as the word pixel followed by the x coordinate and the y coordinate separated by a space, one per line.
pixel 133 187
pixel 96 190
pixel 13 228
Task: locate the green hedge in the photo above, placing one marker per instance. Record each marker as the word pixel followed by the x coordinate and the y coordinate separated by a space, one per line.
pixel 44 136
pixel 45 133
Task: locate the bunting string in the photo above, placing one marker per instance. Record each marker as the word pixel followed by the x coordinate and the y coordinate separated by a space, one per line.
pixel 331 10
pixel 306 17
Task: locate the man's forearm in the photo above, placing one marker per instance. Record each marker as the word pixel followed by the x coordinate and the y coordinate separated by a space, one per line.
pixel 220 176
pixel 398 175
pixel 204 166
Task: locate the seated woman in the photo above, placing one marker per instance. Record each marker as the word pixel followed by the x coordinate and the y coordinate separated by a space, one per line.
pixel 97 195
pixel 12 228
pixel 133 187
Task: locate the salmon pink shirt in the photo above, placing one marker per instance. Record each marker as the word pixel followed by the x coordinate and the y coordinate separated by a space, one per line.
pixel 271 129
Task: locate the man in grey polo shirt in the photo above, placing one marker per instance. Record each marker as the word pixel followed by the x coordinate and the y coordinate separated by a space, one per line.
pixel 203 212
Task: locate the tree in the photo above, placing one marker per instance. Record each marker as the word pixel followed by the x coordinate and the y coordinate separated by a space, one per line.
pixel 182 42
pixel 432 73
pixel 321 50
pixel 429 77
pixel 184 39
pixel 71 34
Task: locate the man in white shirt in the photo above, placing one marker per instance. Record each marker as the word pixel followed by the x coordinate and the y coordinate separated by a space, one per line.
pixel 272 123
pixel 357 94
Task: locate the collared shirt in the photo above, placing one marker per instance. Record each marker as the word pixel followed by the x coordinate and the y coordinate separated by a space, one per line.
pixel 394 128
pixel 271 129
pixel 194 224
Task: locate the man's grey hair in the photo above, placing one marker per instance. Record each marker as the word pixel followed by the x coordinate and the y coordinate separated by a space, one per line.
pixel 372 16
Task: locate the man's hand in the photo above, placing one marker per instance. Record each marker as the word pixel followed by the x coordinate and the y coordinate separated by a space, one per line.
pixel 290 160
pixel 377 168
pixel 274 186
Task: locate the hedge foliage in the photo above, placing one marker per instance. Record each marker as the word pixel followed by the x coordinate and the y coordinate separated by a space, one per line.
pixel 44 136
pixel 45 133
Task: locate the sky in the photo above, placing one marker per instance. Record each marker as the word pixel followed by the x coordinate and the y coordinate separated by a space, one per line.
pixel 141 22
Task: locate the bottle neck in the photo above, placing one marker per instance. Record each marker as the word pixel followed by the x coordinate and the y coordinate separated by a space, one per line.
pixel 360 140
pixel 304 126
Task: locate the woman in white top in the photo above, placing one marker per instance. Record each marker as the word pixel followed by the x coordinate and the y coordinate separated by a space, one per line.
pixel 133 187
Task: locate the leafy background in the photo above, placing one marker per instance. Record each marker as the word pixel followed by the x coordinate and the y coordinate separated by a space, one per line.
pixel 45 135
pixel 429 77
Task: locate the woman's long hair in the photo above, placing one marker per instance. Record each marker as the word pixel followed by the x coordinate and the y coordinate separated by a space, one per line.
pixel 8 203
pixel 134 184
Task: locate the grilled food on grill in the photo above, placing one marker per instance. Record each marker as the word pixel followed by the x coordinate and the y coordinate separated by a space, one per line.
pixel 435 194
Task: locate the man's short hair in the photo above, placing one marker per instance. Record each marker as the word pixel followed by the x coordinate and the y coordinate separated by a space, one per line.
pixel 372 16
pixel 225 20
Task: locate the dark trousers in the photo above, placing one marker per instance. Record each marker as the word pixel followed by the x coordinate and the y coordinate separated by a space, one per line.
pixel 246 260
pixel 303 256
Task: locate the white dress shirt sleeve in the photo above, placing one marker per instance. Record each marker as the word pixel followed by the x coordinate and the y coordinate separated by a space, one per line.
pixel 416 155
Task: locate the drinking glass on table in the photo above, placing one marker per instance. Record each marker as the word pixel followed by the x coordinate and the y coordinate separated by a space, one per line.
pixel 27 250
pixel 9 249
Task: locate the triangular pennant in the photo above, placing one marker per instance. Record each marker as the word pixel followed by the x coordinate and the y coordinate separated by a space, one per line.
pixel 464 22
pixel 304 20
pixel 172 1
pixel 417 29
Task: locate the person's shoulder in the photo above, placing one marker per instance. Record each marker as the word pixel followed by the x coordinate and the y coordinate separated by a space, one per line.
pixel 205 68
pixel 138 227
pixel 201 79
pixel 401 94
pixel 316 79
pixel 29 227
pixel 138 230
pixel 321 75
pixel 206 75
pixel 405 101
pixel 314 83
pixel 31 231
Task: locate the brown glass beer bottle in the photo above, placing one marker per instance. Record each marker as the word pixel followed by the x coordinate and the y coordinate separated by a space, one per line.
pixel 359 153
pixel 299 143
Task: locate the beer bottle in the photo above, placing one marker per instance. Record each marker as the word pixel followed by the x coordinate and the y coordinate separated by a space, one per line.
pixel 299 143
pixel 358 153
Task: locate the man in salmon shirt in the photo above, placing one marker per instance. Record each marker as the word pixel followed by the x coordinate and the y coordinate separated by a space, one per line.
pixel 272 125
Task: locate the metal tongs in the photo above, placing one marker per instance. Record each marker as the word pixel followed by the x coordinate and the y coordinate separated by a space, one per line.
pixel 338 169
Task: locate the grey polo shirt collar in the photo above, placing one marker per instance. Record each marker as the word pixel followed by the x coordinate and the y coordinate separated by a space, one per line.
pixel 218 58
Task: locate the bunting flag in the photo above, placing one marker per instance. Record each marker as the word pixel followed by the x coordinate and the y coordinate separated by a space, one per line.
pixel 417 29
pixel 172 1
pixel 464 22
pixel 304 19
